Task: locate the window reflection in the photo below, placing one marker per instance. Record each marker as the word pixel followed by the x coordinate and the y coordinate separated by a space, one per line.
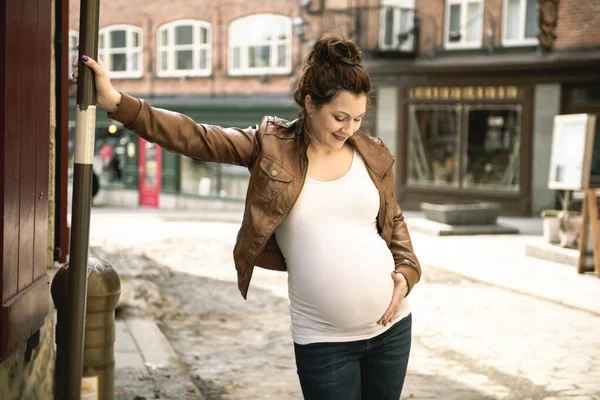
pixel 492 148
pixel 434 144
pixel 151 166
pixel 465 146
pixel 213 179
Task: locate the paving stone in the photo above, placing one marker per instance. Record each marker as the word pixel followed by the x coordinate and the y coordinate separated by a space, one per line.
pixel 471 341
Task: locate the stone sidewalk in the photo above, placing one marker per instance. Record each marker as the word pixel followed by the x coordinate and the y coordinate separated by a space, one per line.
pixel 500 260
pixel 146 366
pixel 497 260
pixel 529 348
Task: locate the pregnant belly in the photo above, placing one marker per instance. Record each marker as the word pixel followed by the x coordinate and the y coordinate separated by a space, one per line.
pixel 348 298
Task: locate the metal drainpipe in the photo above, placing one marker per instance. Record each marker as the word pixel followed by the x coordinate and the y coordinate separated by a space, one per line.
pixel 82 197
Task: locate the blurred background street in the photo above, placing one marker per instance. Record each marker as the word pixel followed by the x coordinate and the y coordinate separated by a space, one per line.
pixel 489 108
pixel 472 340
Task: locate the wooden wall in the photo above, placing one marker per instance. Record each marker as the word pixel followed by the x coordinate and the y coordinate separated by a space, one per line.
pixel 25 85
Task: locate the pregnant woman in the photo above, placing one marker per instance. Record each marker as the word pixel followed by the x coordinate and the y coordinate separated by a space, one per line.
pixel 320 205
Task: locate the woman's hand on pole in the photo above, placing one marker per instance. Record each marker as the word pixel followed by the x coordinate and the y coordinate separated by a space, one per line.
pixel 106 95
pixel 400 291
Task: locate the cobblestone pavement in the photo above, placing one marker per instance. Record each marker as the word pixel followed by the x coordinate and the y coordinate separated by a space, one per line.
pixel 471 341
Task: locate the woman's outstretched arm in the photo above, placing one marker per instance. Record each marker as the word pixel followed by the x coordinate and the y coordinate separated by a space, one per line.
pixel 173 131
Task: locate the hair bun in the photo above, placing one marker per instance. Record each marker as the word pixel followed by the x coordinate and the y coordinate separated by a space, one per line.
pixel 335 50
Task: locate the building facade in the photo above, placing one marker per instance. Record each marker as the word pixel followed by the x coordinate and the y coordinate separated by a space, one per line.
pixel 469 115
pixel 466 90
pixel 226 63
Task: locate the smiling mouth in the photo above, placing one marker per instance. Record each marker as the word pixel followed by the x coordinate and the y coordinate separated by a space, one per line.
pixel 339 137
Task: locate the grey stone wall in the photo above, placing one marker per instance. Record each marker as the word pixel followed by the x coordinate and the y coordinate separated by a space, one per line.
pixel 34 379
pixel 387 117
pixel 546 106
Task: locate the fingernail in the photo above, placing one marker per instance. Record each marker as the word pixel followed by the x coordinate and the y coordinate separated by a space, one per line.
pixel 84 58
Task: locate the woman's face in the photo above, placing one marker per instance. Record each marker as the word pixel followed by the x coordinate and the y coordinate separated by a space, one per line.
pixel 333 123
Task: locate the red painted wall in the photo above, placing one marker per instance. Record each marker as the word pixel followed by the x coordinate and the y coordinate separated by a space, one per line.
pixel 25 43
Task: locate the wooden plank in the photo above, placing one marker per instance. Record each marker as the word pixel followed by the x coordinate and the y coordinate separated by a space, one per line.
pixel 583 236
pixel 12 147
pixel 31 303
pixel 43 133
pixel 593 218
pixel 28 123
pixel 2 144
pixel 62 149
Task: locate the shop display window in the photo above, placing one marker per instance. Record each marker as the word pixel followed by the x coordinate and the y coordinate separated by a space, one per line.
pixel 213 179
pixel 588 94
pixel 492 148
pixel 116 158
pixel 434 145
pixel 471 147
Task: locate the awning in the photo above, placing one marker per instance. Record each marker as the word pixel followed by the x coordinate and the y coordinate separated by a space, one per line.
pixel 238 111
pixel 505 60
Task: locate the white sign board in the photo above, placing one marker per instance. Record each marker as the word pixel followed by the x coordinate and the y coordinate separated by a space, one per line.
pixel 572 146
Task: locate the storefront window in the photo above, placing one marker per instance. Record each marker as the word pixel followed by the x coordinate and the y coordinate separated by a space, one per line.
pixel 466 146
pixel 116 158
pixel 434 145
pixel 213 179
pixel 492 148
pixel 585 95
pixel 151 166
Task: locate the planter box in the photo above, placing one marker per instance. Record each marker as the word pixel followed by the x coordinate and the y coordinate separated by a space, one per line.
pixel 551 225
pixel 462 214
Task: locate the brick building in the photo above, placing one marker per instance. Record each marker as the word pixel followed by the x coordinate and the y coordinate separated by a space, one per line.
pixel 220 62
pixel 466 90
pixel 469 112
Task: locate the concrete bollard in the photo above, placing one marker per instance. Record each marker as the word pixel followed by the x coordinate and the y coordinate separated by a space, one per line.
pixel 103 291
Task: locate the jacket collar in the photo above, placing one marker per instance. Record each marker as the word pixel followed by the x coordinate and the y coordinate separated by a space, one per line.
pixel 377 157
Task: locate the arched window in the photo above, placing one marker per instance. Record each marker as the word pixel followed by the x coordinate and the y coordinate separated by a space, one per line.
pixel 260 44
pixel 120 47
pixel 73 52
pixel 184 49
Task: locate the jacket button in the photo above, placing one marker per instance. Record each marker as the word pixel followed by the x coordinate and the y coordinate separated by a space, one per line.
pixel 273 173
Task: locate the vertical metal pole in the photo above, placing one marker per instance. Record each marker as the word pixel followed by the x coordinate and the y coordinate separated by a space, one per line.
pixel 82 197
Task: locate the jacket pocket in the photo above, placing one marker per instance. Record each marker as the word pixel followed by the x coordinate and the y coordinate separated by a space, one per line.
pixel 271 177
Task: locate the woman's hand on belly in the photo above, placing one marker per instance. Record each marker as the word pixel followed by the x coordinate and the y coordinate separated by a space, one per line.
pixel 400 291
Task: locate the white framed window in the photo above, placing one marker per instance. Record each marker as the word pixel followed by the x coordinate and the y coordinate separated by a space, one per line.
pixel 463 24
pixel 260 44
pixel 120 48
pixel 519 22
pixel 73 51
pixel 396 18
pixel 184 49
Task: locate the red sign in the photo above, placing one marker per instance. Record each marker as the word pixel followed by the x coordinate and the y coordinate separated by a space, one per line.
pixel 150 174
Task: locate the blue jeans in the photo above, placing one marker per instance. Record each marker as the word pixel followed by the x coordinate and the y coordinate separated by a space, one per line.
pixel 372 369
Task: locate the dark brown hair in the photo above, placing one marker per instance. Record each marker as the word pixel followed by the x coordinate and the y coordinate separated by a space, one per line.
pixel 333 65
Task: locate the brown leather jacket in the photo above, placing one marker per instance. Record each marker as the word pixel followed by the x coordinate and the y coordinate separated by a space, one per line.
pixel 275 154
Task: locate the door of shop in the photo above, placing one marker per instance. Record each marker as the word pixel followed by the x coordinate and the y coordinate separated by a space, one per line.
pixel 150 176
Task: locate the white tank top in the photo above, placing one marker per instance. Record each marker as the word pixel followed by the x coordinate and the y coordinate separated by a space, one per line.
pixel 338 266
